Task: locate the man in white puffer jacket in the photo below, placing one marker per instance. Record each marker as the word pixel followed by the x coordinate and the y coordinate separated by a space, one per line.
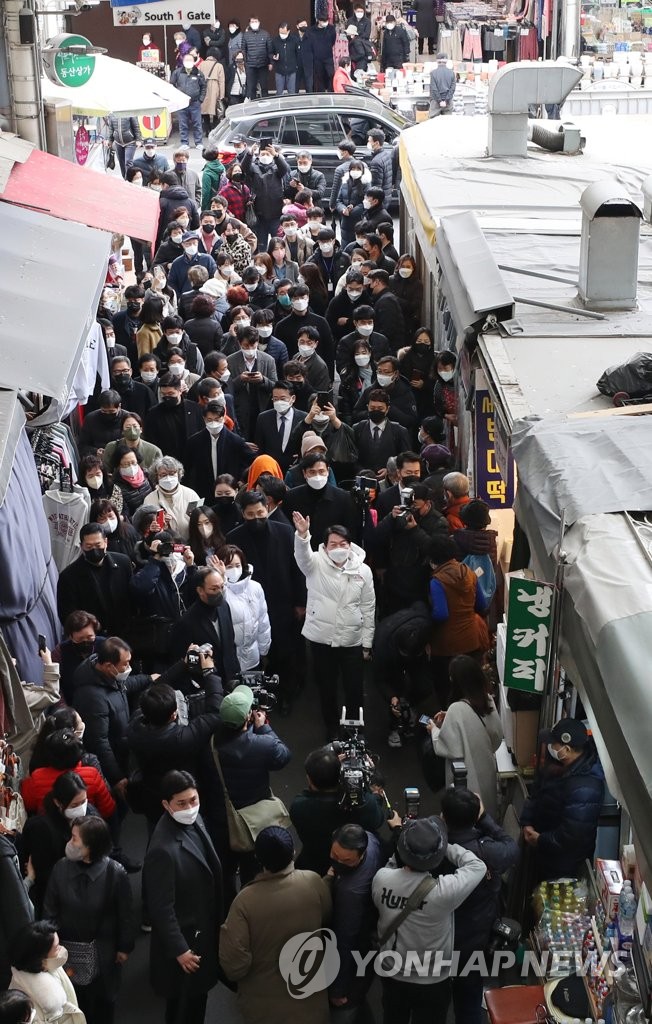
pixel 340 612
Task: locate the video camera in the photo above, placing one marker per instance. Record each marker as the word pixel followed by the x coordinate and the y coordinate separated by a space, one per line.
pixel 407 500
pixel 364 490
pixel 262 687
pixel 193 660
pixel 460 775
pixel 412 798
pixel 357 763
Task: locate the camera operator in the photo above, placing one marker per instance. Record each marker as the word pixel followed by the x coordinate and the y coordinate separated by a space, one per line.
pixel 248 750
pixel 355 858
pixel 401 667
pixel 415 915
pixel 318 811
pixel 160 743
pixel 404 538
pixel 470 826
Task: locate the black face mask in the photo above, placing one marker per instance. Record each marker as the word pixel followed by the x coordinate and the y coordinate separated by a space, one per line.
pixel 121 381
pixel 410 481
pixel 256 525
pixel 224 501
pixel 213 600
pixel 85 647
pixel 342 869
pixel 208 229
pixel 133 307
pixel 94 556
pixel 376 416
pixel 109 415
pixel 169 402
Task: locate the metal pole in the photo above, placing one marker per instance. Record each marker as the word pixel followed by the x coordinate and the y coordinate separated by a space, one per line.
pixel 546 719
pixel 24 77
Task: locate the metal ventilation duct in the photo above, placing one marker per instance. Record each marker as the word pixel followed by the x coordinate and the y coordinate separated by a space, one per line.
pixel 611 225
pixel 513 90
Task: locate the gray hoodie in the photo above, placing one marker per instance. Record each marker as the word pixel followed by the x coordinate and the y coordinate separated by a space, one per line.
pixel 430 927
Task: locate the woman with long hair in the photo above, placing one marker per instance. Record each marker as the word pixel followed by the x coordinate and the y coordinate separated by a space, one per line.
pixel 417 364
pixel 246 600
pixel 121 538
pixel 319 297
pixel 204 534
pixel 470 730
pixel 150 331
pixel 355 377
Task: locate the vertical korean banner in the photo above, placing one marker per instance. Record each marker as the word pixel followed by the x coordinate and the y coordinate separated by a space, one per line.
pixel 529 620
pixel 489 484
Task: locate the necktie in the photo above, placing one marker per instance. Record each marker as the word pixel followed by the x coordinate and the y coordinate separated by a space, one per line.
pixel 376 435
pixel 281 430
pixel 214 441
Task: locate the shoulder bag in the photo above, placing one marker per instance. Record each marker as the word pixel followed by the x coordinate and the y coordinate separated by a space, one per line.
pixel 83 964
pixel 245 824
pixel 413 902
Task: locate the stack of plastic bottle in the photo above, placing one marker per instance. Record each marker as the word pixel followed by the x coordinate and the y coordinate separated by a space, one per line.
pixel 563 916
pixel 626 917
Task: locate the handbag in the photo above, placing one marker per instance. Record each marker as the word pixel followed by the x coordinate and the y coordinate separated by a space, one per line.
pixel 342 447
pixel 245 824
pixel 250 217
pixel 110 160
pixel 83 965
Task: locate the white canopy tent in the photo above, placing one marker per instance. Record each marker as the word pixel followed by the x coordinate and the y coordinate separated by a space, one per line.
pixel 117 87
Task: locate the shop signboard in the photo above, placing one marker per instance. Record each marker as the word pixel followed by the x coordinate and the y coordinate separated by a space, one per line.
pixel 490 485
pixel 67 68
pixel 143 13
pixel 527 646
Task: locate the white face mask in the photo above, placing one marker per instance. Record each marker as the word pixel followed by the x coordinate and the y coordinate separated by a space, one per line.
pixel 446 374
pixel 338 555
pixel 306 350
pixel 191 250
pixel 265 159
pixel 225 376
pixel 215 427
pixel 234 573
pixel 356 174
pixel 282 406
pixel 187 816
pixel 251 286
pixel 284 35
pixel 76 812
pixel 367 203
pixel 265 332
pixel 94 482
pixel 206 530
pixel 354 296
pixel 188 64
pixel 300 305
pixel 320 420
pixel 53 963
pixel 289 232
pixel 261 268
pixel 246 322
pixel 110 524
pixel 122 676
pixel 255 25
pixel 365 329
pixel 405 271
pixel 169 483
pixel 326 248
pixel 362 360
pixel 317 482
pixel 177 369
pixel 176 239
pixel 555 753
pixel 148 376
pixel 226 271
pixel 128 472
pixel 174 339
pixel 73 852
pixel 183 221
pixel 384 380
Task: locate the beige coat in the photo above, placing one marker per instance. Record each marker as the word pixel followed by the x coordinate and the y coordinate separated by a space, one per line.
pixel 148 337
pixel 52 994
pixel 263 916
pixel 213 72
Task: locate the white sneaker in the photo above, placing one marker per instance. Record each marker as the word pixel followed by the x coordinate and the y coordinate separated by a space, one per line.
pixel 394 739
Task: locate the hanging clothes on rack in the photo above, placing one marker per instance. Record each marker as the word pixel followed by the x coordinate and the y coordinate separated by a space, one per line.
pixel 472 44
pixel 528 44
pixel 67 508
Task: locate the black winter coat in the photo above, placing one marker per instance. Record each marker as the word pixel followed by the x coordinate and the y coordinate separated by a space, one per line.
pixel 99 429
pixel 182 879
pixel 381 166
pixel 206 333
pixel 287 51
pixel 363 26
pixel 331 269
pixel 156 593
pixel 94 901
pixel 257 48
pixel 191 83
pixel 233 457
pixel 169 199
pixel 191 354
pixel 198 626
pixel 266 182
pixel 389 320
pixel 169 429
pixel 246 759
pixel 271 552
pixel 329 507
pixel 564 809
pixel 16 911
pixel 339 307
pixel 396 49
pixel 124 130
pixel 313 180
pixel 402 408
pixel 287 329
pixel 344 354
pixel 322 41
pixel 101 590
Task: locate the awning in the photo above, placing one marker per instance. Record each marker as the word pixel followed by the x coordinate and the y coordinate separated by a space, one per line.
pixel 117 87
pixel 53 272
pixel 61 189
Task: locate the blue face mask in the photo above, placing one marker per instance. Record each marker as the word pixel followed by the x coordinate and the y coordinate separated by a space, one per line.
pixel 284 300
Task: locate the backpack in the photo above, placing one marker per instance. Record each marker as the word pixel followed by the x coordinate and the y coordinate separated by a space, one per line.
pixel 486 577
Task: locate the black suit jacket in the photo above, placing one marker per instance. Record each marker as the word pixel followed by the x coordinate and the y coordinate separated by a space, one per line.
pixel 386 501
pixel 161 428
pixel 271 553
pixel 233 456
pixel 329 507
pixel 104 591
pixel 393 440
pixel 268 438
pixel 388 318
pixel 182 880
pixel 197 627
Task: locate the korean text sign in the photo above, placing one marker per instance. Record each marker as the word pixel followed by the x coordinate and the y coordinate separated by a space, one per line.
pixel 529 618
pixel 489 483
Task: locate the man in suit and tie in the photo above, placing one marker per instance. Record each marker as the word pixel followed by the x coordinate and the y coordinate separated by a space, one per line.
pixel 213 451
pixel 275 426
pixel 377 437
pixel 208 621
pixel 408 465
pixel 182 882
pixel 254 375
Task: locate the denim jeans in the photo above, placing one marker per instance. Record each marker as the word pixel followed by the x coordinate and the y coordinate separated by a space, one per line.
pixel 288 82
pixel 125 155
pixel 190 120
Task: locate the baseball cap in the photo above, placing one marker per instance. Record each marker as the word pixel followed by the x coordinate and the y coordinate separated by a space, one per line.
pixel 310 441
pixel 423 843
pixel 188 235
pixel 570 732
pixel 236 706
pixel 149 144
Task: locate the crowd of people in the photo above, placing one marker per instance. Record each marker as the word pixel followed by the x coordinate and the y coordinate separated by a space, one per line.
pixel 274 498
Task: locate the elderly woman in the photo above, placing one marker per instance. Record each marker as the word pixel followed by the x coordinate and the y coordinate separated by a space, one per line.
pixel 203 328
pixel 176 500
pixel 38 960
pixel 132 437
pixel 130 477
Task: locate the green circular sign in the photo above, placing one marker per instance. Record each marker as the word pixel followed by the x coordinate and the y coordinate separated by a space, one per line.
pixel 69 69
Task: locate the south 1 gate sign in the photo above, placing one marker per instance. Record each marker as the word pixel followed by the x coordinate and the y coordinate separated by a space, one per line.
pixel 162 12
